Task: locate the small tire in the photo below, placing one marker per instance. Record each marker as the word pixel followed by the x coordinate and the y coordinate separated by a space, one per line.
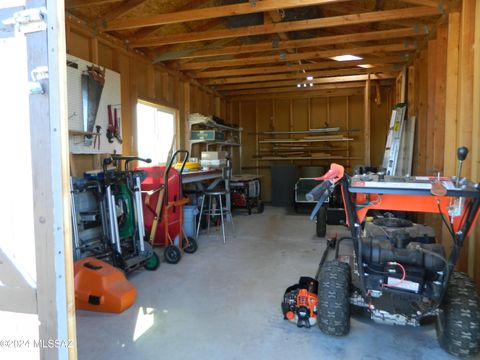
pixel 152 263
pixel 321 225
pixel 191 247
pixel 458 324
pixel 334 298
pixel 260 207
pixel 172 254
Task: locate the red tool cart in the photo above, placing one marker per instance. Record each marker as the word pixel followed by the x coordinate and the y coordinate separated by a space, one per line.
pixel 246 192
pixel 163 203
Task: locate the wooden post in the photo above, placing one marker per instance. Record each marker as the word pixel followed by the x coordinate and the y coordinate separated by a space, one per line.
pixel 465 108
pixel 50 174
pixel 451 92
pixel 367 116
pixel 439 123
pixel 475 154
pixel 94 50
pixel 186 113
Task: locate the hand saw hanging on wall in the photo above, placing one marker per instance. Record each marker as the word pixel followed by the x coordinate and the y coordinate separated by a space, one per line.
pixel 92 86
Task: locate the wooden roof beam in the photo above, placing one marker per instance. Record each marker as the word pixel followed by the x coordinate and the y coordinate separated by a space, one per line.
pixel 71 4
pixel 296 44
pixel 246 82
pixel 302 94
pixel 293 88
pixel 282 58
pixel 317 81
pixel 299 67
pixel 119 11
pixel 350 19
pixel 150 30
pixel 210 13
pixel 432 3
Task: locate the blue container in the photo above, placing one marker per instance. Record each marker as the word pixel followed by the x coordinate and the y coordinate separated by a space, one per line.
pixel 190 213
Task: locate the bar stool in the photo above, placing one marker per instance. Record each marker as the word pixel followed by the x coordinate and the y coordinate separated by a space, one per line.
pixel 223 211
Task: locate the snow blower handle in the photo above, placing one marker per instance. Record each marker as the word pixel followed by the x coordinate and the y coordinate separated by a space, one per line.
pixel 321 192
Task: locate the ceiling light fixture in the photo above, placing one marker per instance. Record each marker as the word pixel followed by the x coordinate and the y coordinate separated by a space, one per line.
pixel 366 66
pixel 309 78
pixel 346 58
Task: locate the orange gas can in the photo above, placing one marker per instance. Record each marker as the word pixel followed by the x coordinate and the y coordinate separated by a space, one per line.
pixel 101 287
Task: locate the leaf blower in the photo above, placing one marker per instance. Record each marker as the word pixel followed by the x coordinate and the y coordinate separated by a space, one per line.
pixel 300 302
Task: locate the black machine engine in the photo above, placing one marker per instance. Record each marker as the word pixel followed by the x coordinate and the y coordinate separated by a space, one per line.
pixel 401 255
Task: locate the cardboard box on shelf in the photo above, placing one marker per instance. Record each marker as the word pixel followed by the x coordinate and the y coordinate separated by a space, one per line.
pixel 214 155
pixel 213 163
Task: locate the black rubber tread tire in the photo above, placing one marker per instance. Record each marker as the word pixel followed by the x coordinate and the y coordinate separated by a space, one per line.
pixel 172 254
pixel 152 263
pixel 192 247
pixel 260 207
pixel 321 222
pixel 458 329
pixel 334 298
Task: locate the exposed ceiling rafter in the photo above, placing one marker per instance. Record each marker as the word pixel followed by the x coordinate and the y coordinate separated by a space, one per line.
pixel 210 13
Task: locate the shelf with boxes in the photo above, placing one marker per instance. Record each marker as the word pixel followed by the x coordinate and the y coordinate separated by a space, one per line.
pixel 212 131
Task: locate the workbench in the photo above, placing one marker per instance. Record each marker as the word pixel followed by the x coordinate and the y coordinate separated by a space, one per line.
pixel 198 178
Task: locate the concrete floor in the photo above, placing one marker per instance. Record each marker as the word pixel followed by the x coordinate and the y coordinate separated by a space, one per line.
pixel 223 302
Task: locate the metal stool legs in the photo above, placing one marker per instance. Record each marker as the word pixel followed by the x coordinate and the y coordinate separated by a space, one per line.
pixel 223 212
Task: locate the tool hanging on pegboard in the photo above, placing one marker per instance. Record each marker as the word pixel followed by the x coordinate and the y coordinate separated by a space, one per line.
pixel 97 137
pixel 113 130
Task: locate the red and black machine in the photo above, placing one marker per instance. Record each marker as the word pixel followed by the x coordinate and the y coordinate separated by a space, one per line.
pixel 399 271
pixel 246 193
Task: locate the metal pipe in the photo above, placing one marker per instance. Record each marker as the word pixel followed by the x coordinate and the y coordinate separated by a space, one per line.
pixel 76 240
pixel 115 224
pixel 138 204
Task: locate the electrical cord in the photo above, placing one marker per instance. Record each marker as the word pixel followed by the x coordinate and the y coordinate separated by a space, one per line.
pixel 404 274
pixel 450 230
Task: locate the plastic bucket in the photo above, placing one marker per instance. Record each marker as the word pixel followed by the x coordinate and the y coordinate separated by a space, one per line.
pixel 190 213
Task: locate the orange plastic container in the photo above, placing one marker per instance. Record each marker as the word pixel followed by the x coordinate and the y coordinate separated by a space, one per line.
pixel 101 287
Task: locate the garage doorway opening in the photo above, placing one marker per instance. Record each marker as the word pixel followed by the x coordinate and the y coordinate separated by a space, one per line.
pixel 156 132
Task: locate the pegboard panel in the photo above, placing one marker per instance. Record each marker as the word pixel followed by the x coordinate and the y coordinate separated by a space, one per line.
pixel 110 96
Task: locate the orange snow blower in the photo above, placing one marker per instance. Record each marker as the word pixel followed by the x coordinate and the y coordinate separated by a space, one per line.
pixel 101 287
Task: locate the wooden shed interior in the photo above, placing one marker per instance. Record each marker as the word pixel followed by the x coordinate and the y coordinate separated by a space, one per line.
pixel 268 66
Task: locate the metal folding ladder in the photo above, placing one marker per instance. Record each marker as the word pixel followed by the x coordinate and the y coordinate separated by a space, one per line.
pixel 395 131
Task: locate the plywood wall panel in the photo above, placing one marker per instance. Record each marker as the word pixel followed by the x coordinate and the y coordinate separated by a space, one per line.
pixel 247 116
pixel 141 80
pixel 337 112
pixel 78 45
pixel 282 115
pixel 105 56
pixel 300 114
pixel 379 127
pixel 318 112
pixel 356 121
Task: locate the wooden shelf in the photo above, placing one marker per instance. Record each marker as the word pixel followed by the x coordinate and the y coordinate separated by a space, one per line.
pixel 82 133
pixel 299 141
pixel 213 142
pixel 275 158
